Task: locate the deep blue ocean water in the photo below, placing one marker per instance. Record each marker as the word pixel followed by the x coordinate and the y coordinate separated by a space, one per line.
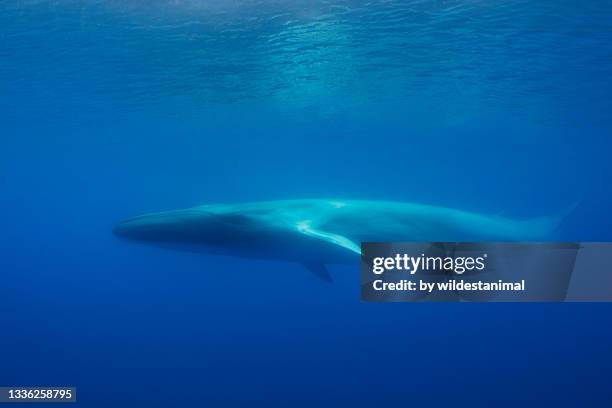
pixel 109 109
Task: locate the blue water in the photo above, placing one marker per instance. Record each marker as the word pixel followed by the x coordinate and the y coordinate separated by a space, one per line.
pixel 109 109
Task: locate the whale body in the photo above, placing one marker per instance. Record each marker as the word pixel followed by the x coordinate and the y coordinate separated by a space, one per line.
pixel 316 232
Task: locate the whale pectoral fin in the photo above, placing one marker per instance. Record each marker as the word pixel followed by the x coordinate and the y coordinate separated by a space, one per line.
pixel 335 239
pixel 319 270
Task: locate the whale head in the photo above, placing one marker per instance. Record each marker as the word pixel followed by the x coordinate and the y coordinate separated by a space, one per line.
pixel 210 228
pixel 188 226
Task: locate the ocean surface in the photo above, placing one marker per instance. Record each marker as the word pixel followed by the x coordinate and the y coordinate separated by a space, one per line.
pixel 109 109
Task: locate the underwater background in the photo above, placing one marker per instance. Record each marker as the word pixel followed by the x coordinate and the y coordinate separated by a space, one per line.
pixel 109 109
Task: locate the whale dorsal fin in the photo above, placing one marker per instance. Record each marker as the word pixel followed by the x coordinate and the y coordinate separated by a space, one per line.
pixel 344 242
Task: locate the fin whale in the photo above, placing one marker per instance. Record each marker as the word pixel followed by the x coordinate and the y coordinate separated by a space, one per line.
pixel 315 232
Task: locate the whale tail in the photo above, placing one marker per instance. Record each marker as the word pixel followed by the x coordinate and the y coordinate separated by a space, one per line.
pixel 546 227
